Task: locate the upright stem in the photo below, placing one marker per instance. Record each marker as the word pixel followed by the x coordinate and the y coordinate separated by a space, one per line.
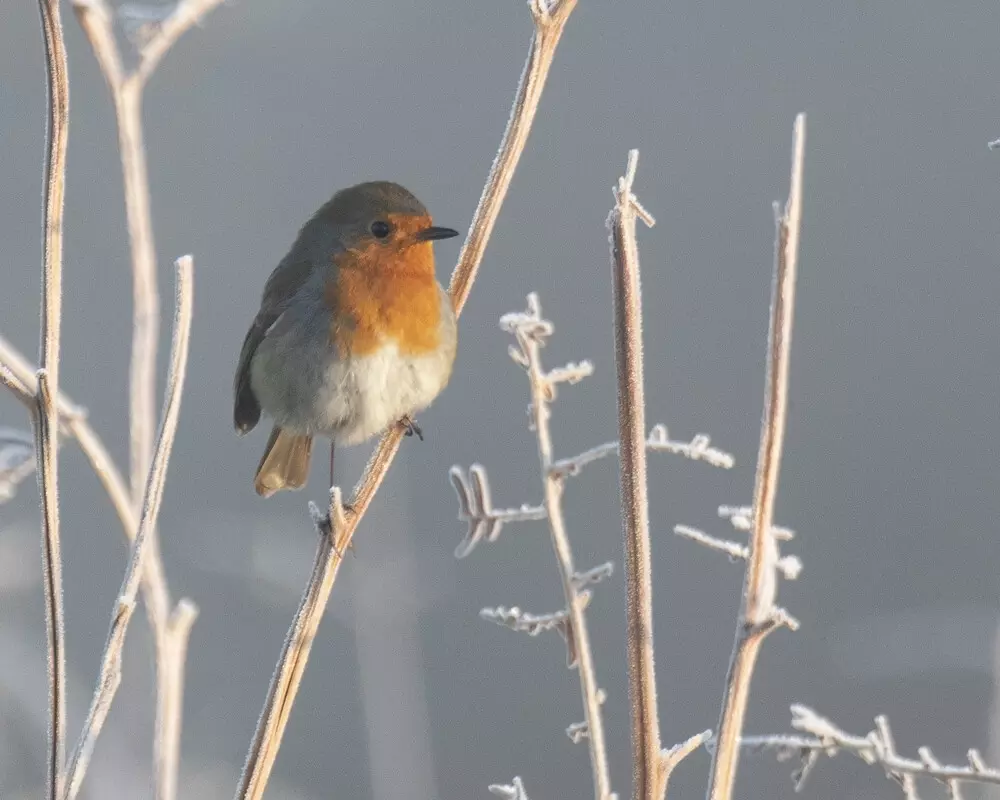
pixel 145 292
pixel 47 414
pixel 575 600
pixel 648 766
pixel 760 615
pixel 170 627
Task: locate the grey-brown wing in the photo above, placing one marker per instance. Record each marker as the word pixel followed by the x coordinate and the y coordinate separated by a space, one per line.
pixel 281 286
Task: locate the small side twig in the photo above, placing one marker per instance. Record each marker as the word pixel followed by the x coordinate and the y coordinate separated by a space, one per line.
pixel 110 671
pixel 475 506
pixel 46 414
pixel 550 18
pixel 513 791
pixel 760 614
pixel 878 747
pixel 18 375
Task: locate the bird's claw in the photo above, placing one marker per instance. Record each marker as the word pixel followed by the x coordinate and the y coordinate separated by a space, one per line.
pixel 410 427
pixel 326 529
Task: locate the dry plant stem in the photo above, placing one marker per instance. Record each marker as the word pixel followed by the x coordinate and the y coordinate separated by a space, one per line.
pixel 97 20
pixel 759 614
pixel 819 736
pixel 576 600
pixel 648 774
pixel 46 414
pixel 73 422
pixel 110 671
pixel 549 19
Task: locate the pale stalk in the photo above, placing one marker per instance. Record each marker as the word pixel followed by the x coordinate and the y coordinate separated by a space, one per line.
pixel 648 766
pixel 759 614
pixel 109 676
pixel 46 415
pixel 96 18
pixel 549 19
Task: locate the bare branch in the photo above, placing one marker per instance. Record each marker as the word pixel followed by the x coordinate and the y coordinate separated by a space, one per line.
pixel 46 414
pixel 670 758
pixel 550 19
pixel 110 672
pixel 475 506
pixel 526 622
pixel 698 449
pixel 789 566
pixel 186 14
pixel 759 614
pixel 73 422
pixel 17 460
pixel 647 773
pixel 531 330
pixel 594 575
pixel 515 791
pixel 877 747
pixel 97 19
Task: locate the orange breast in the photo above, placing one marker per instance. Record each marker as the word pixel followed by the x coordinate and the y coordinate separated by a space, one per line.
pixel 378 296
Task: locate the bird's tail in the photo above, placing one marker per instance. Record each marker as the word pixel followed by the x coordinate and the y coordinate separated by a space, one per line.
pixel 285 464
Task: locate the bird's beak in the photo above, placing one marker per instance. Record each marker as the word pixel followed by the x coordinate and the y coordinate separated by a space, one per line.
pixel 434 233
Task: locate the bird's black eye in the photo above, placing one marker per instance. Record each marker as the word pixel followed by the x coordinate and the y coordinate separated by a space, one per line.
pixel 380 229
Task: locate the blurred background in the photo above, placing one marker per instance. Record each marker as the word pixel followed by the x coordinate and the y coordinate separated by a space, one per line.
pixel 259 115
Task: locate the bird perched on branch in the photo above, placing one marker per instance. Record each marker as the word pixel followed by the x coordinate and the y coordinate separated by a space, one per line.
pixel 354 332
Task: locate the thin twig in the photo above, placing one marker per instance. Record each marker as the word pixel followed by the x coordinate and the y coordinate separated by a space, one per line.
pixel 549 19
pixel 648 773
pixel 513 791
pixel 97 19
pixel 110 672
pixel 825 738
pixel 531 331
pixel 73 422
pixel 760 614
pixel 47 416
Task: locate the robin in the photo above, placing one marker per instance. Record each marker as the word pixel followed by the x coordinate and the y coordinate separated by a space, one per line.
pixel 354 332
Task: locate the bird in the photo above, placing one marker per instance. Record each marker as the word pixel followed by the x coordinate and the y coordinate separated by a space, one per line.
pixel 354 332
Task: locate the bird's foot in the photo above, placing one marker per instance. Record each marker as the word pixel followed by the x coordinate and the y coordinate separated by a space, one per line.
pixel 410 427
pixel 326 529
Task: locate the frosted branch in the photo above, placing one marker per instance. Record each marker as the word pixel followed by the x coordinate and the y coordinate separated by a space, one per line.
pixel 17 460
pixel 531 331
pixel 671 757
pixel 110 670
pixel 698 449
pixel 475 506
pixel 788 566
pixel 739 517
pixel 593 576
pixel 549 20
pixel 759 613
pixel 533 624
pixel 514 791
pixel 526 622
pixel 877 747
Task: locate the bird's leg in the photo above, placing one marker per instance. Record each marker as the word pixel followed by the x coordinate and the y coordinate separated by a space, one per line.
pixel 326 526
pixel 333 447
pixel 410 427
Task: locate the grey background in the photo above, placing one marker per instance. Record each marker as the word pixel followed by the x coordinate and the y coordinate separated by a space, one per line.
pixel 256 118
